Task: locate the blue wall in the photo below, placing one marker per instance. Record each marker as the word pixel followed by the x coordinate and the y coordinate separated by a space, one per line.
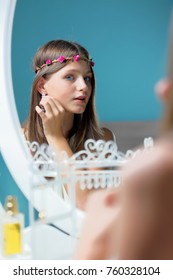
pixel 9 187
pixel 126 38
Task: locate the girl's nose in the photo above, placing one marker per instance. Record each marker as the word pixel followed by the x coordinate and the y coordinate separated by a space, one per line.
pixel 81 84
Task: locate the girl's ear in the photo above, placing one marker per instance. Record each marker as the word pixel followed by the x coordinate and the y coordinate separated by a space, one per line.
pixel 40 86
pixel 163 88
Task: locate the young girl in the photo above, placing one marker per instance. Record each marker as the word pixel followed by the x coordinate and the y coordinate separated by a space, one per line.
pixel 62 110
pixel 164 89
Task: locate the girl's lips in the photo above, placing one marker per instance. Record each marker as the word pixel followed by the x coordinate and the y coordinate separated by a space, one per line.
pixel 80 101
pixel 80 98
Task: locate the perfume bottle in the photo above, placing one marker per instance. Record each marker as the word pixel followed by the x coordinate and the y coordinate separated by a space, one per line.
pixel 12 229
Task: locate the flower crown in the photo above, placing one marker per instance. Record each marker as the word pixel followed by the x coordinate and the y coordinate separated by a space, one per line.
pixel 62 59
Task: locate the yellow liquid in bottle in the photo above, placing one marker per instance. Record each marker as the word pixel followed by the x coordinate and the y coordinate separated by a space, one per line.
pixel 12 239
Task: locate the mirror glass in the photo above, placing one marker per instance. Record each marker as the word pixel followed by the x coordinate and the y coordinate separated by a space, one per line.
pixel 127 41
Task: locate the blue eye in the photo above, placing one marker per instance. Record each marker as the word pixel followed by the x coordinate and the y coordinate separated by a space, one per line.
pixel 87 79
pixel 70 77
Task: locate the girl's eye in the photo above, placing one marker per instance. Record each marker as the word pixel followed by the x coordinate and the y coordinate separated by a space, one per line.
pixel 70 77
pixel 87 79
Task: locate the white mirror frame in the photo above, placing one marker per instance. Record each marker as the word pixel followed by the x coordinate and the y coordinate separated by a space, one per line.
pixel 12 146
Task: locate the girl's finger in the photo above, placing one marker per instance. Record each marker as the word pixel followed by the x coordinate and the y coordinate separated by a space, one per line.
pixel 48 110
pixel 55 107
pixel 58 105
pixel 40 112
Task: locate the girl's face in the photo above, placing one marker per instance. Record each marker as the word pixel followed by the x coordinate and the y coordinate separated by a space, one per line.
pixel 71 86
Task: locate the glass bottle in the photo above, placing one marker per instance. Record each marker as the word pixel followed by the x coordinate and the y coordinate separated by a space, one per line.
pixel 12 229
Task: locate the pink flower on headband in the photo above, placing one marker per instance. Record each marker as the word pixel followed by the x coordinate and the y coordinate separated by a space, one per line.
pixel 76 57
pixel 61 59
pixel 48 61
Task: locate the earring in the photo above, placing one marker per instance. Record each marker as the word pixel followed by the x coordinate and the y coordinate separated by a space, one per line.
pixel 44 93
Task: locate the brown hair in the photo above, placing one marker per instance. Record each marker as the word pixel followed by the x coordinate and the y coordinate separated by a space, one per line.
pixel 85 125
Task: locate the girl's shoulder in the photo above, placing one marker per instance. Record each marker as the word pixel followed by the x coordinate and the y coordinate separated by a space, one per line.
pixel 108 134
pixel 24 133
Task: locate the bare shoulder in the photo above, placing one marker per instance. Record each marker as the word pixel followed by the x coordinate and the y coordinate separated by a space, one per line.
pixel 108 134
pixel 24 132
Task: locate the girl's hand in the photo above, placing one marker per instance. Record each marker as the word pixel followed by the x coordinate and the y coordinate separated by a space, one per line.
pixel 52 117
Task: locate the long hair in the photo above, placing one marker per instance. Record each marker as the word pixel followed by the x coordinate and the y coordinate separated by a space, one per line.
pixel 85 125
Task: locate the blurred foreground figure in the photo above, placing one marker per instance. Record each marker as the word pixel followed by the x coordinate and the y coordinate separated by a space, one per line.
pixel 146 225
pixel 135 221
